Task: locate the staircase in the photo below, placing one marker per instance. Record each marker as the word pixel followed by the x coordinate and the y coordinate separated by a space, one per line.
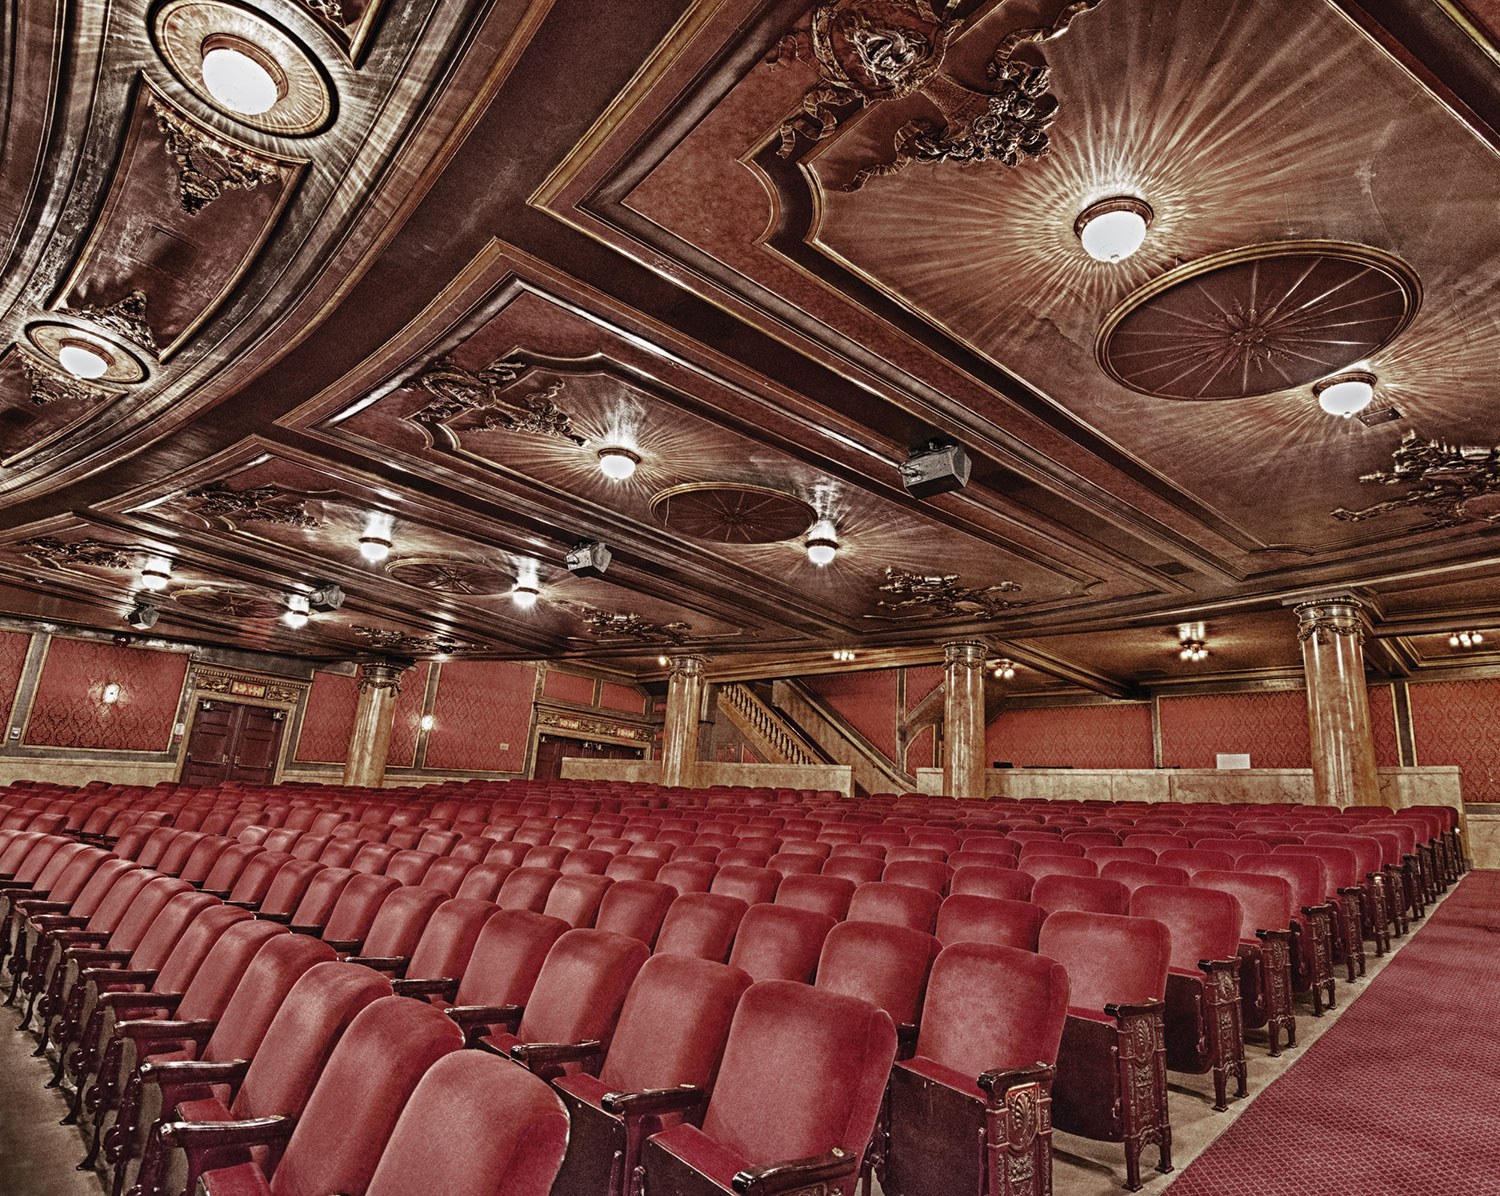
pixel 796 706
pixel 774 740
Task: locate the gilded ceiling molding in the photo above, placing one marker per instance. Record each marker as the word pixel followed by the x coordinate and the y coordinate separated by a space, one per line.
pixel 260 504
pixel 125 319
pixel 206 166
pixel 52 386
pixel 940 594
pixel 58 554
pixel 383 639
pixel 456 390
pixel 870 51
pixel 607 625
pixel 1445 478
pixel 331 11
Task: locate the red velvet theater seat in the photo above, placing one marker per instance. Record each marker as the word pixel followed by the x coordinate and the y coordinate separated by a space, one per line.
pixel 502 970
pixel 780 942
pixel 1265 949
pixel 1312 922
pixel 1204 1022
pixel 822 894
pixel 966 919
pixel 795 1102
pixel 968 1112
pixel 636 908
pixel 1091 894
pixel 660 1066
pixel 1009 884
pixel 896 905
pixel 702 925
pixel 1111 1069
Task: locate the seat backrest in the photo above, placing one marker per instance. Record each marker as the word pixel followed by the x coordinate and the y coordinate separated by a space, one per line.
pixel 88 880
pixel 920 874
pixel 192 946
pixel 634 867
pixel 858 869
pixel 964 918
pixel 702 925
pixel 1234 847
pixel 1365 848
pixel 575 898
pixel 804 1072
pixel 1058 865
pixel 527 888
pixel 980 881
pixel 1110 958
pixel 339 851
pixel 226 870
pixel 400 922
pixel 123 880
pixel 320 897
pixel 896 905
pixel 357 1100
pixel 1133 876
pixel 753 886
pixel 292 881
pixel 1307 876
pixel 1156 842
pixel 373 857
pixel 448 874
pixel 257 876
pixel 1195 859
pixel 1037 847
pixel 582 986
pixel 884 965
pixel 1265 901
pixel 1204 923
pixel 822 894
pixel 448 939
pixel 155 846
pixel 780 942
pixel 992 1007
pixel 584 860
pixel 1096 894
pixel 507 958
pixel 483 881
pixel 674 1024
pixel 358 906
pixel 1341 862
pixel 518 1154
pixel 635 908
pixel 409 866
pixel 281 961
pixel 688 876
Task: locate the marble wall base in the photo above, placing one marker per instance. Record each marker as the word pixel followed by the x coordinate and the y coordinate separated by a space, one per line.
pixel 836 777
pixel 1484 840
pixel 81 772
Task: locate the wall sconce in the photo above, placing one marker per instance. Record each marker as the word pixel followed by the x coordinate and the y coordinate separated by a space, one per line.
pixel 428 722
pixel 111 693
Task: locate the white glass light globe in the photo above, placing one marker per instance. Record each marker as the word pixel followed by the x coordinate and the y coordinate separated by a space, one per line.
pixel 156 574
pixel 822 542
pixel 617 463
pixel 1113 236
pixel 238 82
pixel 295 619
pixel 1345 397
pixel 524 596
pixel 374 550
pixel 82 361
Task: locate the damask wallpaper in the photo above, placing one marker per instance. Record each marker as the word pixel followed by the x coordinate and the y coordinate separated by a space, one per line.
pixel 407 720
pixel 1458 722
pixel 1383 726
pixel 568 687
pixel 13 648
pixel 69 710
pixel 1271 727
pixel 622 697
pixel 866 701
pixel 921 681
pixel 1114 736
pixel 480 705
pixel 328 720
pixel 921 752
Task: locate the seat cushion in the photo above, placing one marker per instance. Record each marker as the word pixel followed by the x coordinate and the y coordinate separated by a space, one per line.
pixel 585 1088
pixel 702 1153
pixel 946 1076
pixel 245 1180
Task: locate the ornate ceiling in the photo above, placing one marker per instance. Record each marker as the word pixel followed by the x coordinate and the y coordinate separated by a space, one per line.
pixel 768 250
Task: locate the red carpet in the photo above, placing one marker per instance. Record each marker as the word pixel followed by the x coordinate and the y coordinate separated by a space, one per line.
pixel 1402 1095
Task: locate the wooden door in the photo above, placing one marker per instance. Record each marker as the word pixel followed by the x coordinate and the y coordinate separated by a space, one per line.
pixel 233 742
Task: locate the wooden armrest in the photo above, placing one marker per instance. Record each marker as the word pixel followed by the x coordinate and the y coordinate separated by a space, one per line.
pixel 193 1136
pixel 540 1054
pixel 997 1083
pixel 35 905
pixel 145 1030
pixel 192 1071
pixel 443 987
pixel 381 963
pixel 1209 966
pixel 1268 935
pixel 654 1101
pixel 55 923
pixel 280 919
pixel 315 931
pixel 473 1020
pixel 797 1175
pixel 1127 1009
pixel 107 975
pixel 344 946
pixel 128 1002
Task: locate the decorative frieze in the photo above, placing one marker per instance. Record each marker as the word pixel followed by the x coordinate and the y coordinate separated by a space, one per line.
pixel 206 166
pixel 456 391
pixel 259 504
pixel 941 594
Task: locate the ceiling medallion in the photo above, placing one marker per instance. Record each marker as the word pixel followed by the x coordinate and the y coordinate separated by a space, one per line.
pixel 456 391
pixel 1452 484
pixel 187 31
pixel 1258 320
pixel 940 594
pixel 733 513
pixel 115 340
pixel 59 554
pixel 207 166
pixel 50 385
pixel 607 625
pixel 227 603
pixel 448 577
pixel 260 504
pixel 383 639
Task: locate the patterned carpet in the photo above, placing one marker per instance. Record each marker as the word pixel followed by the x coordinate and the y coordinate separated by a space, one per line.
pixel 1402 1096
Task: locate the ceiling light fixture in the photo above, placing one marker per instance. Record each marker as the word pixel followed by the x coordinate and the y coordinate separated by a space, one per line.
pixel 1004 670
pixel 1465 639
pixel 844 655
pixel 241 78
pixel 525 594
pixel 375 543
pixel 822 542
pixel 1346 394
pixel 617 463
pixel 111 693
pixel 663 661
pixel 1112 229
pixel 156 574
pixel 82 359
pixel 296 614
pixel 1193 650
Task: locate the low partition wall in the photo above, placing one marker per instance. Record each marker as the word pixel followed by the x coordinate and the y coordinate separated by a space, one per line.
pixel 837 778
pixel 1483 823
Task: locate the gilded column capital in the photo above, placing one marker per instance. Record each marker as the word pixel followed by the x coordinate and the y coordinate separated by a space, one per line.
pixel 1336 615
pixel 686 666
pixel 969 654
pixel 380 674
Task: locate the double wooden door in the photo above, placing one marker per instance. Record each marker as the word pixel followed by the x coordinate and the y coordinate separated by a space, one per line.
pixel 233 742
pixel 550 751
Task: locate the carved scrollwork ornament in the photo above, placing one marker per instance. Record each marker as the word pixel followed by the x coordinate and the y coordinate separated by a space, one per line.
pixel 126 319
pixel 1445 480
pixel 57 554
pixel 615 625
pixel 941 594
pixel 965 654
pixel 260 504
pixel 206 166
pixel 686 666
pixel 53 386
pixel 331 11
pixel 384 639
pixel 456 391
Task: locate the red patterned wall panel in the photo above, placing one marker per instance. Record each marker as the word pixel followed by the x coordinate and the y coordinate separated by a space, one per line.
pixel 480 705
pixel 408 718
pixel 1271 727
pixel 622 697
pixel 1113 736
pixel 13 648
pixel 568 687
pixel 921 681
pixel 1383 726
pixel 328 720
pixel 1458 722
pixel 921 752
pixel 69 710
pixel 866 701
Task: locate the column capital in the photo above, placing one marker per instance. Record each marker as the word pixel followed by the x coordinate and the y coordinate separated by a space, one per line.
pixel 1335 614
pixel 968 653
pixel 687 666
pixel 381 674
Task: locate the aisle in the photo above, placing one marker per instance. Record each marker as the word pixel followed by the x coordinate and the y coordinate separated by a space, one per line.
pixel 1398 1098
pixel 36 1154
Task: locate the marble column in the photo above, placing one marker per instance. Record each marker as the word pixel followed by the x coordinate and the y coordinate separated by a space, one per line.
pixel 963 719
pixel 370 741
pixel 1343 751
pixel 679 736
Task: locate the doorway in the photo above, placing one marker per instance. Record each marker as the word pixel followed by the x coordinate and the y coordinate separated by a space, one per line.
pixel 232 741
pixel 551 749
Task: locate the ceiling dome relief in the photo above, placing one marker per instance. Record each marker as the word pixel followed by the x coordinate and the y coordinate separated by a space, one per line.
pixel 1258 320
pixel 449 576
pixel 733 513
